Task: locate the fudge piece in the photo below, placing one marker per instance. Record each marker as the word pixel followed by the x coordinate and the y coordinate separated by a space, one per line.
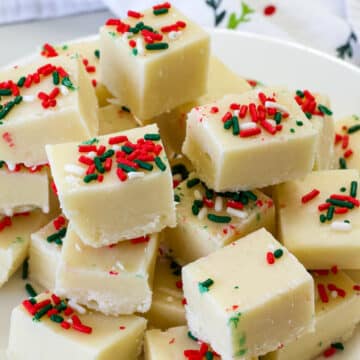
pixel 221 81
pixel 15 234
pixel 248 297
pixel 316 109
pixel 264 128
pixel 122 173
pixel 347 143
pixel 154 61
pixel 319 219
pixel 337 308
pixel 115 279
pixel 113 118
pixel 209 220
pixel 48 327
pixel 87 49
pixel 167 307
pixel 46 102
pixel 44 252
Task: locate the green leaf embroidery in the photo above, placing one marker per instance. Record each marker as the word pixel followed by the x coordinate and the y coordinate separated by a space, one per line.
pixel 235 21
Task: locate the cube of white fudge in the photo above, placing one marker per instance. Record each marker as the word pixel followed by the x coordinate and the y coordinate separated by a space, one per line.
pixel 319 219
pixel 226 138
pixel 48 327
pixel 249 297
pixel 46 102
pixel 115 279
pixel 45 252
pixel 154 63
pixel 337 314
pixel 209 220
pixel 117 188
pixel 23 189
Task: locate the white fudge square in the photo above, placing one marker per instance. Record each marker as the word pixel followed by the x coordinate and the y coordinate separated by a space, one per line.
pixel 113 279
pixel 49 101
pixel 249 297
pixel 154 63
pixel 71 333
pixel 117 188
pixel 265 128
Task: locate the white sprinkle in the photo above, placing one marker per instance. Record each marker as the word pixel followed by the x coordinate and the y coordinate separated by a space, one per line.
pixel 271 122
pixel 113 101
pixel 248 125
pixel 173 35
pixel 334 294
pixel 28 98
pixel 341 226
pixel 236 112
pixel 238 213
pixel 197 195
pixel 135 175
pixel 275 105
pixel 218 203
pixel 91 154
pixel 202 213
pixel 64 90
pixel 11 166
pixel 116 147
pixel 78 247
pixel 78 308
pixel 74 169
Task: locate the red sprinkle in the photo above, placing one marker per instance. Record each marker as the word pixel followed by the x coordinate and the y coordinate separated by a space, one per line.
pixel 329 352
pixel 214 109
pixel 270 258
pixel 141 239
pixel 117 139
pixel 324 206
pixel 250 132
pixel 345 141
pixel 348 153
pixel 165 5
pixel 65 325
pixel 309 196
pixel 322 293
pixel 234 204
pixel 134 14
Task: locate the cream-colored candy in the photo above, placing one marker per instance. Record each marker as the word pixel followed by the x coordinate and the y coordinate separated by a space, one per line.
pixel 225 158
pixel 112 279
pixel 245 306
pixel 317 244
pixel 335 321
pixel 110 338
pixel 44 252
pixel 28 126
pixel 151 82
pixel 94 207
pixel 23 190
pixel 167 309
pixel 197 234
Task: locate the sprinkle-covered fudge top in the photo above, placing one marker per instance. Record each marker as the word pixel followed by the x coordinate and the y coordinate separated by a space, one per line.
pixel 153 31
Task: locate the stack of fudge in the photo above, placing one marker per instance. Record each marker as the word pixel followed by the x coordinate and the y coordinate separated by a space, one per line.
pixel 166 208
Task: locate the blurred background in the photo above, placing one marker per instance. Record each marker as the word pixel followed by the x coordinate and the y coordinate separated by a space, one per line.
pixel 332 26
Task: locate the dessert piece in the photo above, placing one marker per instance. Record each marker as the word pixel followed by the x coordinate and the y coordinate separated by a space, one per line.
pixel 113 118
pixel 264 128
pixel 316 109
pixel 87 49
pixel 155 60
pixel 209 220
pixel 337 307
pixel 167 307
pixel 115 279
pixel 23 189
pixel 14 240
pixel 221 81
pixel 347 143
pixel 44 252
pixel 46 102
pixel 48 327
pixel 319 219
pixel 249 297
pixel 122 173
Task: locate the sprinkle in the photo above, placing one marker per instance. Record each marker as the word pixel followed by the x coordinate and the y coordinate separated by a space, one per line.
pixel 324 110
pixel 218 203
pixel 82 328
pixel 204 286
pixel 330 213
pixel 237 213
pixel 78 308
pixel 338 346
pixel 135 175
pixel 219 219
pixel 353 129
pixel 202 213
pixel 278 253
pixel 248 125
pixel 42 312
pixel 25 269
pixel 90 177
pixel 341 226
pixel 270 258
pixel 342 163
pixel 134 14
pixel 322 293
pixel 165 5
pixel 160 11
pixel 192 182
pixel 275 105
pixel 250 132
pixel 157 46
pixel 353 189
pixel 30 290
pixel 144 165
pixel 329 352
pixel 309 196
pixel 214 109
pixel 342 203
pixel 159 163
pixel 97 53
pixel 153 137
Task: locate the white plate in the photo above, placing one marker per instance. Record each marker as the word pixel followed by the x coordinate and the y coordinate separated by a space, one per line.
pixel 272 62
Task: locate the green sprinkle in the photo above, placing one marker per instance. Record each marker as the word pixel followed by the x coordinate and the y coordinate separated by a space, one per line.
pixel 353 129
pixel 234 320
pixel 204 286
pixel 195 209
pixel 30 290
pixel 325 110
pixel 56 79
pixel 90 141
pixel 209 355
pixel 251 195
pixel 2 163
pixel 160 164
pixel 292 130
pixel 147 27
pixel 65 47
pixel 340 203
pixel 347 221
pixel 58 241
pixel 62 306
pixel 199 203
pixel 56 318
pixel 98 165
pixel 18 100
pixel 353 188
pixel 228 124
pixel 33 301
pixel 5 92
pixel 90 177
pixel 192 182
pixel 107 154
pixel 126 168
pixel 343 189
pixel 67 82
pixel 144 165
pixel 135 51
pixel 330 213
pixel 127 149
pixel 125 108
pixel 21 81
pixel 342 163
pixel 338 346
pixel 219 219
pixel 97 53
pixel 6 109
pixel 191 336
pixel 236 128
pixel 157 46
pixel 322 218
pixel 278 253
pixel 299 93
pixel 176 198
pixel 180 169
pixel 42 312
pixel 299 123
pixel 209 193
pixel 160 11
pixel 308 115
pixel 140 25
pixel 278 117
pixel 153 137
pixel 25 269
pixel 134 30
